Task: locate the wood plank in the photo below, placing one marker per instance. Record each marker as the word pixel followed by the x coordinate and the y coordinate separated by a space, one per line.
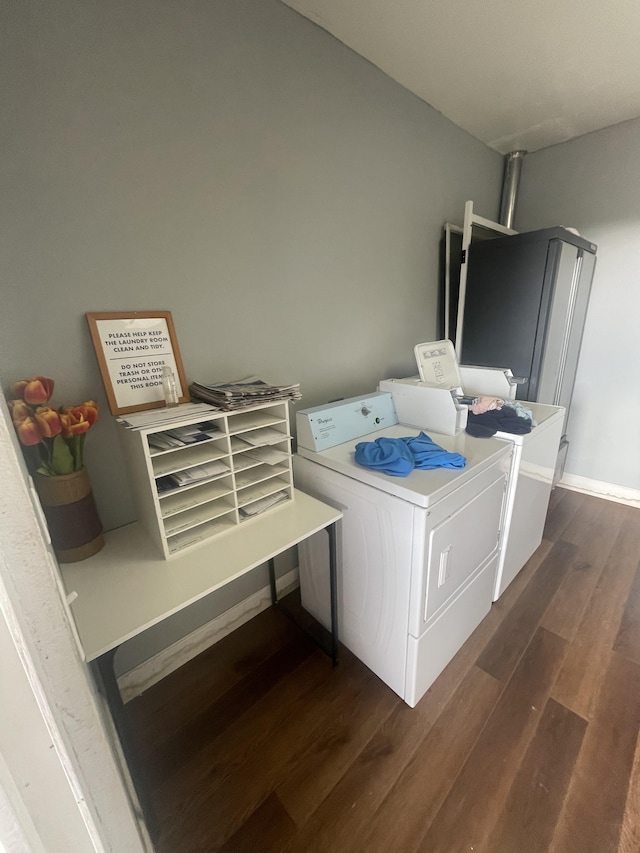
pixel 399 738
pixel 201 682
pixel 606 516
pixel 217 757
pixel 517 586
pixel 266 829
pixel 428 777
pixel 332 752
pixel 563 507
pixel 529 816
pixel 220 756
pixel 593 530
pixel 473 804
pixel 630 832
pixel 380 791
pixel 344 819
pixel 557 495
pixel 591 820
pixel 507 645
pixel 627 641
pixel 588 656
pixel 213 720
pixel 229 804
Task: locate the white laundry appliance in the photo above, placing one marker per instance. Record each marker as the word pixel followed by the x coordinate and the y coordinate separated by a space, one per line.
pixel 434 401
pixel 417 554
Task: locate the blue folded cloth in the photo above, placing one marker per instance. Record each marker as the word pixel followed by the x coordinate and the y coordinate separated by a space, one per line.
pixel 399 456
pixel 428 454
pixel 389 455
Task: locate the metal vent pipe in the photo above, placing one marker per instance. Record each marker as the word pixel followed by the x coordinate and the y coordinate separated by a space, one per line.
pixel 512 168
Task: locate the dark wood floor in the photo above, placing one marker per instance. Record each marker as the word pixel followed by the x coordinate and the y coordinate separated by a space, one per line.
pixel 527 743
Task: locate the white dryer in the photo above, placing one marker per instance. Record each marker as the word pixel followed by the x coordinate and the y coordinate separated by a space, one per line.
pixel 417 555
pixel 432 401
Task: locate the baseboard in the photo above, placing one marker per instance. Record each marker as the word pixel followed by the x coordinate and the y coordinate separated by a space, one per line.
pixel 609 491
pixel 142 677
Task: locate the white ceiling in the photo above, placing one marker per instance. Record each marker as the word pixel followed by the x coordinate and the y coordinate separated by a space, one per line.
pixel 514 74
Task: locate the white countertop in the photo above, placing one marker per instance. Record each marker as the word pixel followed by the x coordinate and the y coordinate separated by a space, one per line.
pixel 128 587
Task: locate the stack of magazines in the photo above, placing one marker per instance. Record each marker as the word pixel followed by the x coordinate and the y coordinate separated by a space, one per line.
pixel 243 392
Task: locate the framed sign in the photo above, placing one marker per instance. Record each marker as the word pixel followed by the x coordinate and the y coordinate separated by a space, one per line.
pixel 132 348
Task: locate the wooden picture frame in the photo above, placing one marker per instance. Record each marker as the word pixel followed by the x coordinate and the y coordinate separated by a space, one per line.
pixel 132 347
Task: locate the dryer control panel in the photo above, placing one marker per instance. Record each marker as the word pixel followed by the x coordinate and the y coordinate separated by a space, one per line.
pixel 344 420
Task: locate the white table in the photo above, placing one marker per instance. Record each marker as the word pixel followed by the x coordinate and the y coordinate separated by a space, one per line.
pixel 128 587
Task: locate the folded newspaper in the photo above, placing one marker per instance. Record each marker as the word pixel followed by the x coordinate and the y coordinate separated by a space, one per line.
pixel 243 392
pixel 263 504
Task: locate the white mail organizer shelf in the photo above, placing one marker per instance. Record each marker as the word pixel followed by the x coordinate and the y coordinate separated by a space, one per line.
pixel 198 477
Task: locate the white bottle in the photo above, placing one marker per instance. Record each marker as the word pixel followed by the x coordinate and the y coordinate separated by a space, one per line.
pixel 169 387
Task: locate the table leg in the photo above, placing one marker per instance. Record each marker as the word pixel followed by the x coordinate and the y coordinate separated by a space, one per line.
pixel 333 592
pixel 333 588
pixel 108 683
pixel 272 581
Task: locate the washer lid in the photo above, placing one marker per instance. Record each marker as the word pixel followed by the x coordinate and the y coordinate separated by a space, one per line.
pixel 437 364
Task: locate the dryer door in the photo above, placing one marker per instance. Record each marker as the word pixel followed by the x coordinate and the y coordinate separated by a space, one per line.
pixel 457 549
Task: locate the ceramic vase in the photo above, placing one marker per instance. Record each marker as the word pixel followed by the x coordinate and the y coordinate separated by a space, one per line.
pixel 72 517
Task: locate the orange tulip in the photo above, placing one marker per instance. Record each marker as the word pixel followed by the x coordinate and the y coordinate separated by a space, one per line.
pixel 73 422
pixel 36 390
pixel 19 411
pixel 48 421
pixel 89 410
pixel 17 389
pixel 28 432
pixel 59 432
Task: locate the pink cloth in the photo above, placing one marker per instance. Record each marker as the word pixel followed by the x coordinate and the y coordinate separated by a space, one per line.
pixel 486 404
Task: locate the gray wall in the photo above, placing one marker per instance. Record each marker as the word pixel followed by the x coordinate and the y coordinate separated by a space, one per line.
pixel 234 164
pixel 593 184
pixel 230 162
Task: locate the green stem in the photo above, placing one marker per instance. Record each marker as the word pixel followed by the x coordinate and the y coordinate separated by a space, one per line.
pixel 46 455
pixel 80 451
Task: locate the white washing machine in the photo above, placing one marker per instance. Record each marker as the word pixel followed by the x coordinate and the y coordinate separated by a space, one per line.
pixel 417 555
pixel 533 468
